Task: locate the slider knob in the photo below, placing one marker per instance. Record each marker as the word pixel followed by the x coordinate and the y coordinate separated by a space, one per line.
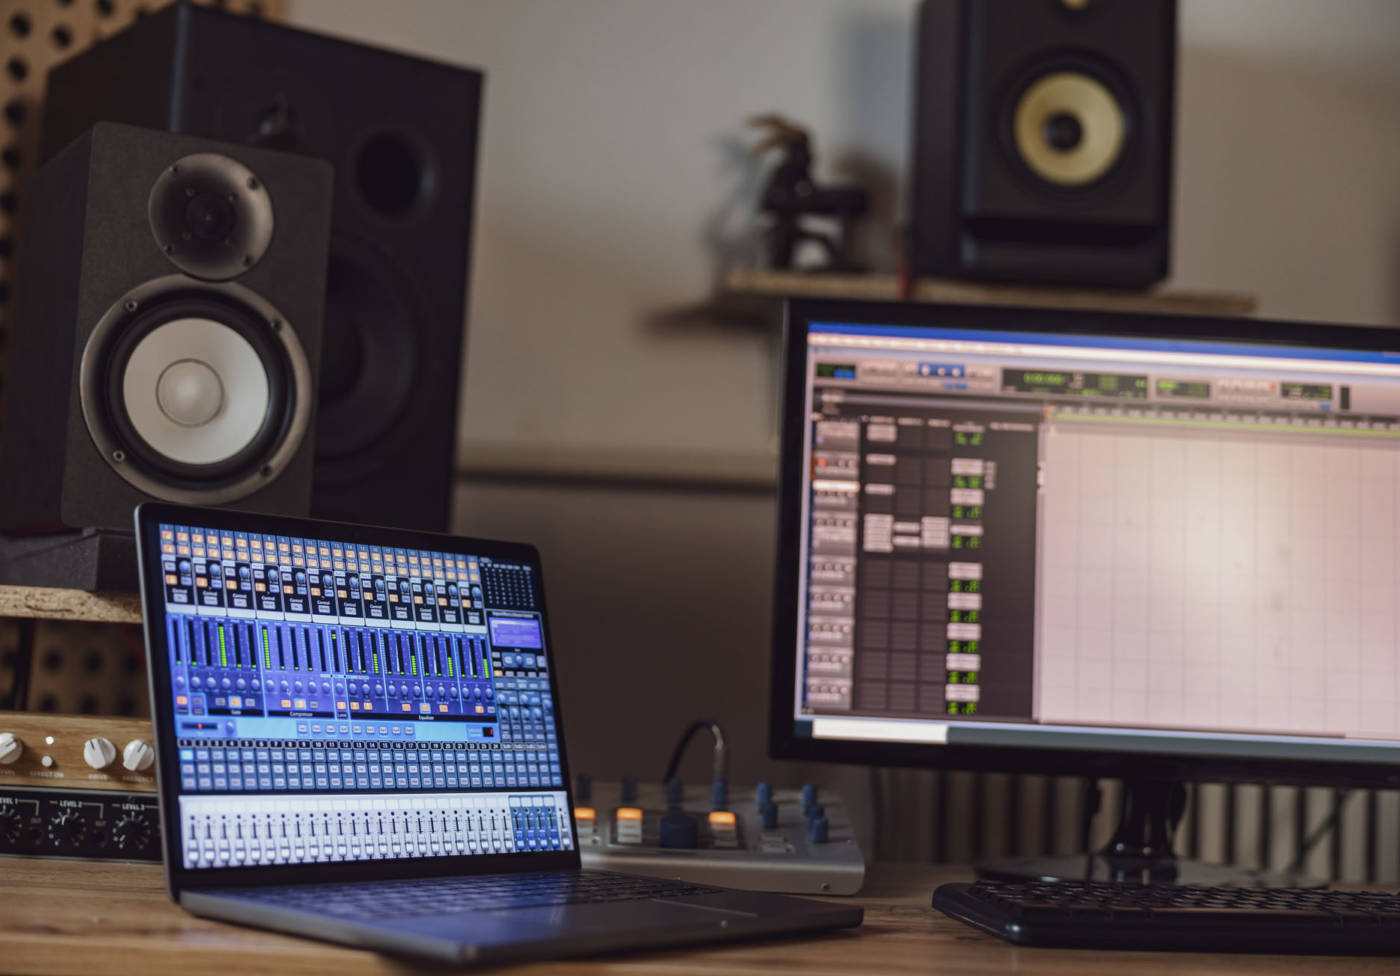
pixel 138 755
pixel 98 752
pixel 11 748
pixel 818 827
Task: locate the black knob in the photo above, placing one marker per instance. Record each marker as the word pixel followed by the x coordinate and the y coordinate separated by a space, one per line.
pixel 11 826
pixel 68 829
pixel 132 833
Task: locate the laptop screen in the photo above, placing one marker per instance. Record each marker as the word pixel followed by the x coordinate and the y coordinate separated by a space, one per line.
pixel 332 700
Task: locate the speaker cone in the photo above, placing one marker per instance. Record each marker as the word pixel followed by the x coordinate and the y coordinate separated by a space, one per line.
pixel 1069 128
pixel 195 393
pixel 373 369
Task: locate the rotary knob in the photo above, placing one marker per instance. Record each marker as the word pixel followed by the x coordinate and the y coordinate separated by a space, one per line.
pixel 67 829
pixel 98 752
pixel 138 755
pixel 11 826
pixel 11 748
pixel 132 833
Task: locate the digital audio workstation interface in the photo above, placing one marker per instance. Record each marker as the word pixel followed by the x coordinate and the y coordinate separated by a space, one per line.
pixel 1071 541
pixel 338 702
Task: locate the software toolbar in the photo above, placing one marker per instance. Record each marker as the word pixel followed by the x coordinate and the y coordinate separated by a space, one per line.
pixel 302 667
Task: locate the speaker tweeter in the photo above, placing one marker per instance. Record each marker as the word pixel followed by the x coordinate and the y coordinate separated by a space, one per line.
pixel 211 216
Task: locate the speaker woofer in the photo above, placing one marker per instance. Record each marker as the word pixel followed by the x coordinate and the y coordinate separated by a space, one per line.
pixel 195 392
pixel 211 216
pixel 1069 128
pixel 374 370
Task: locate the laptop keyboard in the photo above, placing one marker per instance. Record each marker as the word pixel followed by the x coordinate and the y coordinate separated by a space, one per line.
pixel 434 896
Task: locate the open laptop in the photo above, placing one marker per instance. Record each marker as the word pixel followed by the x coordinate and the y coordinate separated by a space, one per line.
pixel 359 739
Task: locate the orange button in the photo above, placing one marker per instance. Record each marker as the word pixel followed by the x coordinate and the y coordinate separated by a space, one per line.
pixel 628 813
pixel 722 818
pixel 585 813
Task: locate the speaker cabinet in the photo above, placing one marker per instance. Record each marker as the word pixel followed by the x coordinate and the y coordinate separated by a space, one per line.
pixel 167 330
pixel 1042 141
pixel 401 133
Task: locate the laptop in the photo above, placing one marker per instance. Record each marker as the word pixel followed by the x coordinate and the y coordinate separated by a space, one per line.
pixel 359 739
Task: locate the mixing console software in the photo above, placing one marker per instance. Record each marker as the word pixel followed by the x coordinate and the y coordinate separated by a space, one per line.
pixel 341 702
pixel 1179 543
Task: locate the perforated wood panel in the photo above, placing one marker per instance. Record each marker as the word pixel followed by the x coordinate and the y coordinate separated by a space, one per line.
pixel 34 36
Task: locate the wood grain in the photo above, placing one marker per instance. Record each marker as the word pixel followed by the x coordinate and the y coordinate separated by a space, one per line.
pixel 68 770
pixel 885 287
pixel 65 917
pixel 50 603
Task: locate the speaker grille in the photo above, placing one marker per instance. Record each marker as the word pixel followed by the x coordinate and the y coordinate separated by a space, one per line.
pixel 38 34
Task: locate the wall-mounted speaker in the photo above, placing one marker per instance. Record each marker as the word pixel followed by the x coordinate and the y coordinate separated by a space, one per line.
pixel 401 133
pixel 1042 140
pixel 167 332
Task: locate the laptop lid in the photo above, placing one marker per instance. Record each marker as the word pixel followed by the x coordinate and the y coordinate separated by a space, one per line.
pixel 342 702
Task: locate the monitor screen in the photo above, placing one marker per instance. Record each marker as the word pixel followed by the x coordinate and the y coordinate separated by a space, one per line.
pixel 1008 534
pixel 333 700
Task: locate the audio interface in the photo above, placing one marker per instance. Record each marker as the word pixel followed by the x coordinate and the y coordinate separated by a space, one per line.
pixel 763 839
pixel 80 752
pixel 79 823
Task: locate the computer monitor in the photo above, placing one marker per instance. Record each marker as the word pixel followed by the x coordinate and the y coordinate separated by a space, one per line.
pixel 1079 543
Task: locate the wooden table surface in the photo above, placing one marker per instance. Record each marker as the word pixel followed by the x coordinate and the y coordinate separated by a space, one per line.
pixel 88 918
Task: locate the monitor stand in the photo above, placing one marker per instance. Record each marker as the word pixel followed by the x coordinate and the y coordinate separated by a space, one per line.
pixel 1140 851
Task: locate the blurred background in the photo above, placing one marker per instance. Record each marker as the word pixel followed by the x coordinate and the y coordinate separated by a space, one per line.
pixel 616 415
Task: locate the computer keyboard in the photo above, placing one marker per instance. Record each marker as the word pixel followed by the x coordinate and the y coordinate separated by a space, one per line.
pixel 433 896
pixel 1102 915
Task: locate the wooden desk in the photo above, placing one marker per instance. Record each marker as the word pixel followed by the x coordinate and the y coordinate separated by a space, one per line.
pixel 88 918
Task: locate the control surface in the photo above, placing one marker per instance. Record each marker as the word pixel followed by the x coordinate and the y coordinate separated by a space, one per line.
pixel 638 829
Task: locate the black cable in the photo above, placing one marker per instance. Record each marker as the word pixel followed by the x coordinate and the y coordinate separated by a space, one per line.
pixel 721 761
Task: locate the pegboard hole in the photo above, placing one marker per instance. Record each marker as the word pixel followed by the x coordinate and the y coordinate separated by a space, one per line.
pixel 62 36
pixel 105 8
pixel 18 68
pixel 8 204
pixel 10 156
pixel 20 25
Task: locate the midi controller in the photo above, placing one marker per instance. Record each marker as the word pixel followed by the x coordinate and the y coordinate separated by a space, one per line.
pixel 763 839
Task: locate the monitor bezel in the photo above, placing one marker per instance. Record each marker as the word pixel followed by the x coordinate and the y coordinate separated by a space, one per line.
pixel 148 517
pixel 799 314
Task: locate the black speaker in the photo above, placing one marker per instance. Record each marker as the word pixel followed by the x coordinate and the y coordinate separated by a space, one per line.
pixel 401 133
pixel 1042 140
pixel 167 330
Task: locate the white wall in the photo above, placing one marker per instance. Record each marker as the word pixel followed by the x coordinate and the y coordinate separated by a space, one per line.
pixel 614 174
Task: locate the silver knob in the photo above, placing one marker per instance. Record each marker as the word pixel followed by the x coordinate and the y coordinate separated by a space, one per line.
pixel 11 748
pixel 138 755
pixel 99 752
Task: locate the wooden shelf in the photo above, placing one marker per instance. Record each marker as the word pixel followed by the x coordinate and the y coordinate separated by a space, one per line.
pixel 885 287
pixel 46 603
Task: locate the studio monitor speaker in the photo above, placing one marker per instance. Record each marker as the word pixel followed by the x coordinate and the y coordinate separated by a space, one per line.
pixel 1042 141
pixel 167 330
pixel 401 133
